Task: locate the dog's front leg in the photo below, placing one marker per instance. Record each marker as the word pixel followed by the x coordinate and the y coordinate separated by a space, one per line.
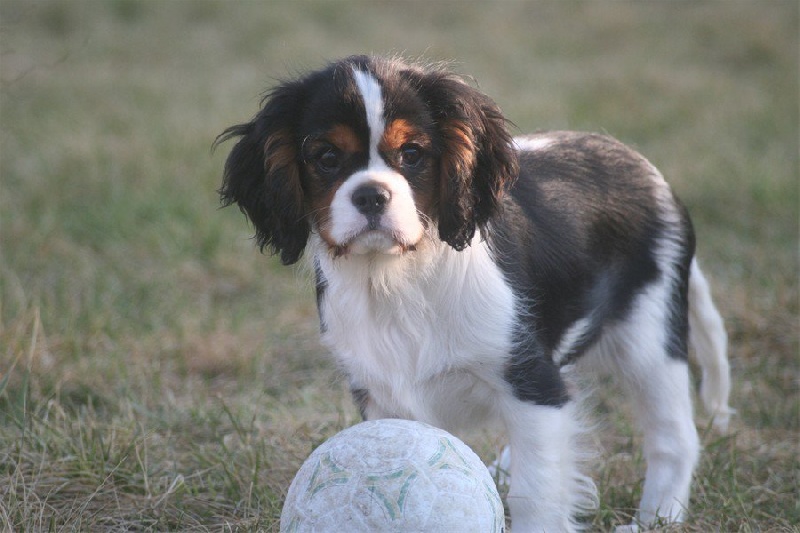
pixel 547 489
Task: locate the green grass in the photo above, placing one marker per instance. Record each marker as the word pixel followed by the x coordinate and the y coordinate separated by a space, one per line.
pixel 157 373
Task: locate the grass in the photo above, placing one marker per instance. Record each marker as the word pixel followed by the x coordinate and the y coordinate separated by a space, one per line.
pixel 157 373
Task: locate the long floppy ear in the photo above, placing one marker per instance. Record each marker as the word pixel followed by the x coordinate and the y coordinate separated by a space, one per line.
pixel 262 174
pixel 478 160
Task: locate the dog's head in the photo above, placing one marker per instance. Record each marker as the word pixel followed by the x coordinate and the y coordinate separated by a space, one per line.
pixel 373 155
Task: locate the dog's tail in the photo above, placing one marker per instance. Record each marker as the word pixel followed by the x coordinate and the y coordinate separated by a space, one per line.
pixel 710 342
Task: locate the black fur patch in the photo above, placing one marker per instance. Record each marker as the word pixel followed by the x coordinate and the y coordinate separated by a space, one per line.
pixel 577 240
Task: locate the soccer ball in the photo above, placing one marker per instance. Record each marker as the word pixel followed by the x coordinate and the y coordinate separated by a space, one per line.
pixel 393 475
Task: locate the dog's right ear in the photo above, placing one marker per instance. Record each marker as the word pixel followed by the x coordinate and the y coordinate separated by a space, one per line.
pixel 262 173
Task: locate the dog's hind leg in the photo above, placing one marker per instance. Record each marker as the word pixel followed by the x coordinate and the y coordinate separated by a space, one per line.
pixel 671 445
pixel 651 362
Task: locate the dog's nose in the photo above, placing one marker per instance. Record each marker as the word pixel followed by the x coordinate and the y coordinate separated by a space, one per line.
pixel 371 200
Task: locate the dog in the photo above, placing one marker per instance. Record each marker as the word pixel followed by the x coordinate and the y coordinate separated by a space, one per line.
pixel 460 270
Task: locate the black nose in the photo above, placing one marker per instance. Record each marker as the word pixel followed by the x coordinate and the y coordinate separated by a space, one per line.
pixel 371 200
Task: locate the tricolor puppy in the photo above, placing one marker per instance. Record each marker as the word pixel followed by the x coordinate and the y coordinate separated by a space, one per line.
pixel 458 270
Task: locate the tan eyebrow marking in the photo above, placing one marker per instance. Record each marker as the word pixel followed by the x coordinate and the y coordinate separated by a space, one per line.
pixel 399 132
pixel 345 139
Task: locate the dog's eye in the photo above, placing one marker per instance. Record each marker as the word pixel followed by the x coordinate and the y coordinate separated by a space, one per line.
pixel 411 154
pixel 328 160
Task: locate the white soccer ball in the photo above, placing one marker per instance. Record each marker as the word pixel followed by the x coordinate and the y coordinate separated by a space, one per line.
pixel 393 475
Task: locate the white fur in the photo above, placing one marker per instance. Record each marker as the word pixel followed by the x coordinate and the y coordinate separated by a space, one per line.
pixel 547 489
pixel 418 325
pixel 371 95
pixel 571 338
pixel 532 143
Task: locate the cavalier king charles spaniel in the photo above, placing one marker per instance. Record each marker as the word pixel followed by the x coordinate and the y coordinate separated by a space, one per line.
pixel 464 276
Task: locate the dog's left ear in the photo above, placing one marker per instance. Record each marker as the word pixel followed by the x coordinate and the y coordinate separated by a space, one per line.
pixel 478 158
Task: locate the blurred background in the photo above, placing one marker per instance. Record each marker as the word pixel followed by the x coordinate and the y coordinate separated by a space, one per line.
pixel 157 372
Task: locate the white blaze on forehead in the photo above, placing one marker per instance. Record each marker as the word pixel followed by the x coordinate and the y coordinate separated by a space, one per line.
pixel 373 106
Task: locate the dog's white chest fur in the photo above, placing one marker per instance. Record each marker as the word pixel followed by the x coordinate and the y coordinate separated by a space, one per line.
pixel 429 340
